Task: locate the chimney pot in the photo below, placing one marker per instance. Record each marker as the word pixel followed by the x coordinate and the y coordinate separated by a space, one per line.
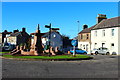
pixel 15 31
pixel 85 26
pixel 23 30
pixel 101 17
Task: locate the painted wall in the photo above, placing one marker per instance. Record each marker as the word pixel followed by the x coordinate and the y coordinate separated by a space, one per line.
pixel 118 40
pixel 108 39
pixel 0 38
pixel 56 40
pixel 84 46
pixel 12 40
pixel 84 42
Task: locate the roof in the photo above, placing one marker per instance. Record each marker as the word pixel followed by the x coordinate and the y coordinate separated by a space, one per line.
pixel 108 23
pixel 87 30
pixel 15 34
pixel 19 33
pixel 47 33
pixel 5 32
pixel 40 33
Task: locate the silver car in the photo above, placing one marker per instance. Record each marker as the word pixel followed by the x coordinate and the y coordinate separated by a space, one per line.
pixel 101 50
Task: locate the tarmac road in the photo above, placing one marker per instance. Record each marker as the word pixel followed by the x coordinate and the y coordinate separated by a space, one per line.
pixel 102 66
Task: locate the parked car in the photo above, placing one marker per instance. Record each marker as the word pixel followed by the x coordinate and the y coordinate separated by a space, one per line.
pixel 78 51
pixel 8 47
pixel 65 50
pixel 101 50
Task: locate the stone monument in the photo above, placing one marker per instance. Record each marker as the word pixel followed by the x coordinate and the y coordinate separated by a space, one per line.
pixel 36 47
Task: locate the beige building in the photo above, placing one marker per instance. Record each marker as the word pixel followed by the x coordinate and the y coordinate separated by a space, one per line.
pixel 3 35
pixel 18 37
pixel 0 38
pixel 84 38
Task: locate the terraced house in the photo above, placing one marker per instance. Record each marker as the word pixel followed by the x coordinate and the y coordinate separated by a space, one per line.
pixel 107 34
pixel 84 40
pixel 18 37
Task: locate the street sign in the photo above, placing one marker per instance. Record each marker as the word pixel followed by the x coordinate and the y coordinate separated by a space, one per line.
pixel 74 42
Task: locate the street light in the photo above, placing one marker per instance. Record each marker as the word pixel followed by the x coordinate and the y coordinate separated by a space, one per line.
pixel 49 26
pixel 78 29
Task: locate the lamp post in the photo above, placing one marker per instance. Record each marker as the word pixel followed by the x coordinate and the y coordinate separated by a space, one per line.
pixel 49 26
pixel 78 29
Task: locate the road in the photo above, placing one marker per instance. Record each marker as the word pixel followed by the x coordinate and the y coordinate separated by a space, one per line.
pixel 102 66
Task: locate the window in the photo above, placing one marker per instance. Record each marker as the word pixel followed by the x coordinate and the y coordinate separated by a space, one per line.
pixel 95 33
pixel 112 31
pixel 87 47
pixel 87 36
pixel 83 46
pixel 54 35
pixel 81 36
pixel 95 46
pixel 103 32
pixel 112 46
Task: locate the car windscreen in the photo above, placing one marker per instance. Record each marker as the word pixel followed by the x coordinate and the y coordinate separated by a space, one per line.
pixel 75 49
pixel 104 49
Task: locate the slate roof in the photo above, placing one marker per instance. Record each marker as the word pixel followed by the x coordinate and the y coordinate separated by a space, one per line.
pixel 87 30
pixel 16 34
pixel 41 34
pixel 47 33
pixel 108 23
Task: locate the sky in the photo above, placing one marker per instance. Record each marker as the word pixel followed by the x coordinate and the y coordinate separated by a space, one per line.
pixel 63 15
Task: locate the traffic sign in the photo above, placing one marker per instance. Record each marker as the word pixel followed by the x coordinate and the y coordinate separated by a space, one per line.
pixel 74 42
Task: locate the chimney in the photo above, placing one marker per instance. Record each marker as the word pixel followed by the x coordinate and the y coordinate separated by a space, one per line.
pixel 5 31
pixel 85 26
pixel 14 31
pixel 101 17
pixel 23 29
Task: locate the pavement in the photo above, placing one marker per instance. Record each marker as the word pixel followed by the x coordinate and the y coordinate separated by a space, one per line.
pixel 102 66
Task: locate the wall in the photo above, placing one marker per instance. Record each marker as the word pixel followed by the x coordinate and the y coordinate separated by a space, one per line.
pixel 84 42
pixel 56 40
pixel 11 40
pixel 107 39
pixel 0 38
pixel 84 37
pixel 118 40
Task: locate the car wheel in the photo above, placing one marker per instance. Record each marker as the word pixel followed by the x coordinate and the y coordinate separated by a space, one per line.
pixel 96 52
pixel 91 53
pixel 114 53
pixel 85 53
pixel 107 53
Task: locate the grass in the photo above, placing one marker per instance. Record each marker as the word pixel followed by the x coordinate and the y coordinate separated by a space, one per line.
pixel 47 57
pixel 3 52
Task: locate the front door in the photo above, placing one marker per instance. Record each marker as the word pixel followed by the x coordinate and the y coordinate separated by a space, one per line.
pixel 103 45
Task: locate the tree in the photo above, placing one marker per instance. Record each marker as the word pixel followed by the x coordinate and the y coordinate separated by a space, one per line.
pixel 65 36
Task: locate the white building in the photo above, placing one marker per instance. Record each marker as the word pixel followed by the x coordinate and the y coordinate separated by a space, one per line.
pixel 107 34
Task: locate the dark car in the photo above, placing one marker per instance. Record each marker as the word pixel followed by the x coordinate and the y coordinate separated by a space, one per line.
pixel 8 47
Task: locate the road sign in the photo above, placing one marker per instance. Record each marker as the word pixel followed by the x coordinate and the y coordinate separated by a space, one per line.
pixel 74 42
